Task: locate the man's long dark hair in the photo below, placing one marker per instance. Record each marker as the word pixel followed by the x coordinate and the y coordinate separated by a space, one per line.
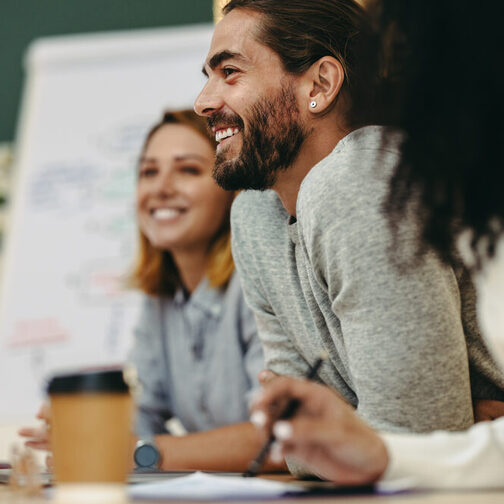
pixel 303 31
pixel 451 106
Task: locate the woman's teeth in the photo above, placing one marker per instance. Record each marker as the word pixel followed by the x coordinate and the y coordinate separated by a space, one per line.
pixel 225 133
pixel 166 213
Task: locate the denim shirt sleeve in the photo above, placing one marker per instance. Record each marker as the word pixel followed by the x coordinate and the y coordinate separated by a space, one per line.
pixel 197 359
pixel 253 352
pixel 153 401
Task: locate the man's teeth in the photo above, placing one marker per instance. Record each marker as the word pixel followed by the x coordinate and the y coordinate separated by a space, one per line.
pixel 166 213
pixel 225 133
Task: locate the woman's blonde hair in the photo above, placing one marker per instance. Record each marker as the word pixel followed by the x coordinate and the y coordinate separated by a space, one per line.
pixel 155 272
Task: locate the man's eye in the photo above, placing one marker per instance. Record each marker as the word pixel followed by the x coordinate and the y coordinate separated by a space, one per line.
pixel 229 71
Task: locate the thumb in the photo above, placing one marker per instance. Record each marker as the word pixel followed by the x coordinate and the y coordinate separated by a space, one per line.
pixel 265 376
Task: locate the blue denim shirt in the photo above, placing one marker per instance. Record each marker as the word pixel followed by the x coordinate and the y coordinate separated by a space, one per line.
pixel 197 359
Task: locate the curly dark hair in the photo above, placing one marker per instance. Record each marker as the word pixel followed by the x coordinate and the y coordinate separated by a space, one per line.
pixel 451 107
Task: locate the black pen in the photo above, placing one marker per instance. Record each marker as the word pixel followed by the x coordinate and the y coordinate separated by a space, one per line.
pixel 288 412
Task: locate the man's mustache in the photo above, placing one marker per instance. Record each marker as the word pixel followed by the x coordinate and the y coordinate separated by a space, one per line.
pixel 219 118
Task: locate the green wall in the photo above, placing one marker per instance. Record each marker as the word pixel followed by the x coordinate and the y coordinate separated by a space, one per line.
pixel 21 21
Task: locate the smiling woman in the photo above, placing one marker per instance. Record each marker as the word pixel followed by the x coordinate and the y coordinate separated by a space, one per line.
pixel 196 348
pixel 183 216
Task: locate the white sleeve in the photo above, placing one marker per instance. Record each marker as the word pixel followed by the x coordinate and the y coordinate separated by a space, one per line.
pixel 457 460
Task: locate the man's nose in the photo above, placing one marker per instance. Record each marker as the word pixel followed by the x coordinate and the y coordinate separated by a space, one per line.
pixel 208 101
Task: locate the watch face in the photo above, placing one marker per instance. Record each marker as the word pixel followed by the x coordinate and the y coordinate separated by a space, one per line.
pixel 146 455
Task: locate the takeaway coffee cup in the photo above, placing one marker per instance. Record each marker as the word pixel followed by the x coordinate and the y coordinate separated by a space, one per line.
pixel 90 427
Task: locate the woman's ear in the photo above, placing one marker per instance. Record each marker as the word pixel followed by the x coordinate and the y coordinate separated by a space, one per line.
pixel 326 77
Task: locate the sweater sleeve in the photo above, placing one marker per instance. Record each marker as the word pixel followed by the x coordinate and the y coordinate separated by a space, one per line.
pixel 280 353
pixel 401 322
pixel 253 358
pixel 448 460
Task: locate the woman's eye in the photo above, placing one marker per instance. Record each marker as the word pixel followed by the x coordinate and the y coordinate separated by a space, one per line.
pixel 191 170
pixel 147 172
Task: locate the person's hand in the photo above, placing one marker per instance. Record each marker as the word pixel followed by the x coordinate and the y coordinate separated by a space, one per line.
pixel 486 410
pixel 38 437
pixel 325 435
pixel 265 376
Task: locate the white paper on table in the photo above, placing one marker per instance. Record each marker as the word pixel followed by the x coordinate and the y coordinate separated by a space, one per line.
pixel 396 486
pixel 205 486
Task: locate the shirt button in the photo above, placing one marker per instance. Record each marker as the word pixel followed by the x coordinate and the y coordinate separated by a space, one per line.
pixel 203 406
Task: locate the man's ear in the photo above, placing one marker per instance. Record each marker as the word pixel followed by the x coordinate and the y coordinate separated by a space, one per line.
pixel 325 79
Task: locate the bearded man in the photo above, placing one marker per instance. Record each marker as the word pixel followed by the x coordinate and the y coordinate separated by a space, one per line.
pixel 289 91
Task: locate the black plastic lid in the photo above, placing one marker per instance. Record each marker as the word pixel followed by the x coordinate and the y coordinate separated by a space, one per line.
pixel 89 381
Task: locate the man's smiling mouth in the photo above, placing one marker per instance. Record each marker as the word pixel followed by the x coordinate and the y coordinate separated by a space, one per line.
pixel 221 134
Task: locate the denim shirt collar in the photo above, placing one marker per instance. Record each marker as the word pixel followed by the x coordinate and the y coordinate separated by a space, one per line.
pixel 206 298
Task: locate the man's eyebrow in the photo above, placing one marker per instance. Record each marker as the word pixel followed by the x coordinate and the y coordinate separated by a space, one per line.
pixel 219 57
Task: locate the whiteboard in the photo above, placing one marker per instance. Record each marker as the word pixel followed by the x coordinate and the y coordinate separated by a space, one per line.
pixel 88 102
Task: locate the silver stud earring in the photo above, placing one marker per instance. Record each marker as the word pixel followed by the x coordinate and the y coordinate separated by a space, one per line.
pixel 313 104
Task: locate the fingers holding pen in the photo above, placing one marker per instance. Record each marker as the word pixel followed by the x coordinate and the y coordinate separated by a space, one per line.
pixel 309 440
pixel 276 394
pixel 269 403
pixel 325 433
pixel 277 397
pixel 345 451
pixel 302 432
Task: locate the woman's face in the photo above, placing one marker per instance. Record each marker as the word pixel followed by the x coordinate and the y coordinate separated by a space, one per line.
pixel 179 206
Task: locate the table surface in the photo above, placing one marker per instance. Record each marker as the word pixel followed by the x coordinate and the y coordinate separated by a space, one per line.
pixel 424 497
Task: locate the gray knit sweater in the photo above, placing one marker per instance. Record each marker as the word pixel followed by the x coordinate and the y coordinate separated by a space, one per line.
pixel 398 340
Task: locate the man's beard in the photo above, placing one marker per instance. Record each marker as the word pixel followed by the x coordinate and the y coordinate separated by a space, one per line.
pixel 270 144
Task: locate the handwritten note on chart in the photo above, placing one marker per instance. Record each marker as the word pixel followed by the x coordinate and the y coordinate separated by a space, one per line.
pixel 89 102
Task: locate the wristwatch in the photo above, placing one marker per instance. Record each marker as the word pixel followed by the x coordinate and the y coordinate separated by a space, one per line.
pixel 146 454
